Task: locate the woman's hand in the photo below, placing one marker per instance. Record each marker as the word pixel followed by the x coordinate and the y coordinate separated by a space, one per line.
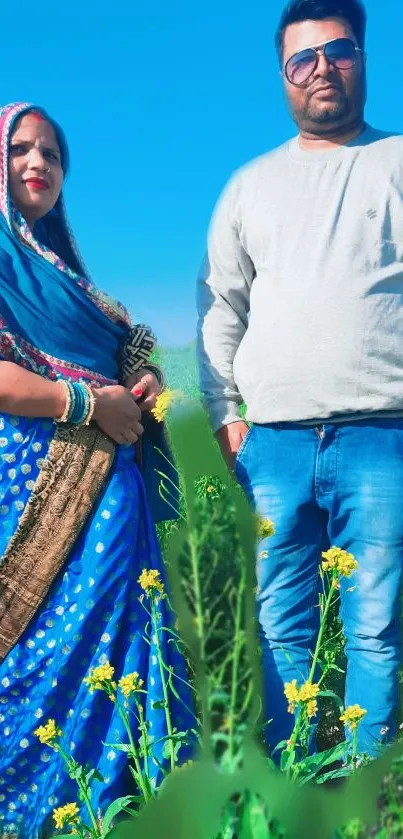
pixel 145 387
pixel 117 413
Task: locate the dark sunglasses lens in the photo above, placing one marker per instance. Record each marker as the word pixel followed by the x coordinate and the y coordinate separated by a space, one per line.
pixel 300 66
pixel 341 53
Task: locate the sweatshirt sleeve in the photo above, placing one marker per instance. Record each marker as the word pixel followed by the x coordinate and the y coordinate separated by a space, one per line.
pixel 223 305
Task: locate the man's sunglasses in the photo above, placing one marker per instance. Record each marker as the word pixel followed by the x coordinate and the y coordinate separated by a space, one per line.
pixel 340 53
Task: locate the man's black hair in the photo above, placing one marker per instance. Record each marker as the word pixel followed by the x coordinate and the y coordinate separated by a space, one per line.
pixel 296 11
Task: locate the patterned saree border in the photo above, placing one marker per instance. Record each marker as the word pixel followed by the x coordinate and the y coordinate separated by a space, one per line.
pixel 17 349
pixel 70 482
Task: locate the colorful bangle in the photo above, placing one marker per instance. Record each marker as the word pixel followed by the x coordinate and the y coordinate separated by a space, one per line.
pixel 69 400
pixel 91 405
pixel 80 403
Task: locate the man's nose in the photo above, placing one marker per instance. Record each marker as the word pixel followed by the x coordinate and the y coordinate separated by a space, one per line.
pixel 324 67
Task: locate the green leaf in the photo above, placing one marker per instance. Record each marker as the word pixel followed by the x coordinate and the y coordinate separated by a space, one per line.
pixel 314 763
pixel 92 775
pixel 116 807
pixel 119 747
pixel 338 773
pixel 77 773
pixel 287 760
pixel 253 823
pixel 160 703
pixel 281 745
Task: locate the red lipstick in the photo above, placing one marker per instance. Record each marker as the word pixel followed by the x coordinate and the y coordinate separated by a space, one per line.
pixel 37 183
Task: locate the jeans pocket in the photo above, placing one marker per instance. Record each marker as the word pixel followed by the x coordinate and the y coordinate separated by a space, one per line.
pixel 242 448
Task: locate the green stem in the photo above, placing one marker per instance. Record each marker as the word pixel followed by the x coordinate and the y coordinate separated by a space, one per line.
pixel 297 727
pixel 355 748
pixel 143 729
pixel 198 594
pixel 84 792
pixel 235 663
pixel 164 684
pixel 83 787
pixel 321 632
pixel 133 750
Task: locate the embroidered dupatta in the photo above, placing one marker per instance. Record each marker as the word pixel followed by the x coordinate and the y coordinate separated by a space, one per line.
pixel 54 322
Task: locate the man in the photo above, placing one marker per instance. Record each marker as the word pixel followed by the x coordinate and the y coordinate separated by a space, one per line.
pixel 301 317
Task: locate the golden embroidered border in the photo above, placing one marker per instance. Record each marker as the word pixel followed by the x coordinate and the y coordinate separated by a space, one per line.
pixel 73 474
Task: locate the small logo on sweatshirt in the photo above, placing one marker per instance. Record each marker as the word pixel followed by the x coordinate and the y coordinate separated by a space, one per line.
pixel 371 214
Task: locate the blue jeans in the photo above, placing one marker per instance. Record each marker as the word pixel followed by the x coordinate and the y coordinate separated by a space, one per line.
pixel 337 484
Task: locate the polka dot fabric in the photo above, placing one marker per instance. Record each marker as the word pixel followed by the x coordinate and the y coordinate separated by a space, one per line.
pixel 91 615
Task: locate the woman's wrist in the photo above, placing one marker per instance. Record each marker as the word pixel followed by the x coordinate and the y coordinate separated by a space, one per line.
pixel 60 399
pixel 79 403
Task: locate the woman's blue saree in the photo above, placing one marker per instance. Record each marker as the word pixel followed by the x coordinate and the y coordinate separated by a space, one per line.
pixel 54 629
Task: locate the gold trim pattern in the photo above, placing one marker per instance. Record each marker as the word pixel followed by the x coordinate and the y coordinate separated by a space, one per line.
pixel 73 474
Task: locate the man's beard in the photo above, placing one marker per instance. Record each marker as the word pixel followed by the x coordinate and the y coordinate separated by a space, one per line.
pixel 323 118
pixel 314 114
pixel 334 112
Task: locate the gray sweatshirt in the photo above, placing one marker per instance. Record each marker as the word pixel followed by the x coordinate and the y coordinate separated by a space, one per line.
pixel 301 302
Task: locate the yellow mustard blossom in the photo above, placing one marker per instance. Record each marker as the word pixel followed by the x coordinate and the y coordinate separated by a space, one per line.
pixel 101 678
pixel 164 402
pixel 264 527
pixel 48 733
pixel 305 695
pixel 292 694
pixel 311 708
pixel 352 716
pixel 66 815
pixel 130 684
pixel 340 561
pixel 150 582
pixel 210 488
pixel 308 691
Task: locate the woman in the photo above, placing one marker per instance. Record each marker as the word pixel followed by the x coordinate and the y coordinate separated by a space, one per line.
pixel 75 527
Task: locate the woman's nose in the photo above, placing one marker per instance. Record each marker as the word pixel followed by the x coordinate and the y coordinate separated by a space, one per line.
pixel 36 159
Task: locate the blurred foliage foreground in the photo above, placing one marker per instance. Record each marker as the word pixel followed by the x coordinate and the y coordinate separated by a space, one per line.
pixel 231 789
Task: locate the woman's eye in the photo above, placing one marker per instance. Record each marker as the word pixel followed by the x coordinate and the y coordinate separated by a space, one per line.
pixel 18 147
pixel 51 155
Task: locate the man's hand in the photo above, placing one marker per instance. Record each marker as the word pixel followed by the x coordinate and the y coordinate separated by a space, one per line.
pixel 145 387
pixel 230 438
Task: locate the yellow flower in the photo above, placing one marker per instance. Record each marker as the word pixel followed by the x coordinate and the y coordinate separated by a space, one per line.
pixel 308 691
pixel 292 694
pixel 342 562
pixel 264 527
pixel 150 582
pixel 101 678
pixel 164 402
pixel 312 708
pixel 352 716
pixel 307 694
pixel 48 733
pixel 130 684
pixel 210 488
pixel 67 815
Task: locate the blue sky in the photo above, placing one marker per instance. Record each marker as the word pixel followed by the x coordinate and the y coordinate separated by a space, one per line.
pixel 160 102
